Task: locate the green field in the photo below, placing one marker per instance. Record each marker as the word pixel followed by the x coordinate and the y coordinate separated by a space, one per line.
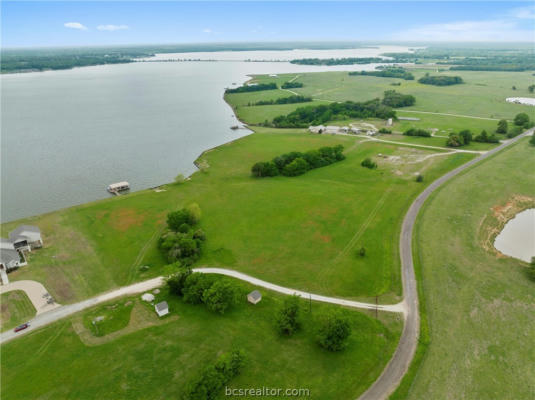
pixel 157 362
pixel 479 305
pixel 15 309
pixel 300 232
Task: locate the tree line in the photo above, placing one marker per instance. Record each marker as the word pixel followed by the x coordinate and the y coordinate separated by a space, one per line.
pixel 291 85
pixel 417 132
pixel 391 72
pixel 296 163
pixel 441 80
pixel 339 61
pixel 283 100
pixel 253 88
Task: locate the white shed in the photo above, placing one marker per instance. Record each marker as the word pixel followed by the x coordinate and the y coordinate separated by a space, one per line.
pixel 162 309
pixel 254 297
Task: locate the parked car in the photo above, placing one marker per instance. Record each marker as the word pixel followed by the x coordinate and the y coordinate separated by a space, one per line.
pixel 21 327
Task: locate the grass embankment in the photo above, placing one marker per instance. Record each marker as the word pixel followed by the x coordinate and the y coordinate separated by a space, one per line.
pixel 301 232
pixel 15 309
pixel 479 304
pixel 158 361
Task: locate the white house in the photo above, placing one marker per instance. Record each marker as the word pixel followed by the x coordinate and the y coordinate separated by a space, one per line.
pixel 316 129
pixel 10 258
pixel 332 129
pixel 26 237
pixel 254 297
pixel 162 309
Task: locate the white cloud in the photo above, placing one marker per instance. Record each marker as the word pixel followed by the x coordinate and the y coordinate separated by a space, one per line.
pixel 207 30
pixel 470 31
pixel 75 25
pixel 112 27
pixel 523 12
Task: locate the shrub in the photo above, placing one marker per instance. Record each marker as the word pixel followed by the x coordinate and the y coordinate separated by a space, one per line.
pixel 262 169
pixel 384 130
pixel 391 98
pixel 368 163
pixel 417 132
pixel 176 218
pixel 440 80
pixel 532 140
pixel 514 131
pixel 333 331
pixel 521 119
pixel 220 296
pixel 419 178
pixel 288 316
pixel 362 251
pixel 466 136
pixel 291 85
pixel 454 141
pixel 180 178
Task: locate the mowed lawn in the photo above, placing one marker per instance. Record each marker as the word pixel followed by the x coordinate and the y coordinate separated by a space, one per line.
pixel 15 309
pixel 480 307
pixel 301 232
pixel 157 362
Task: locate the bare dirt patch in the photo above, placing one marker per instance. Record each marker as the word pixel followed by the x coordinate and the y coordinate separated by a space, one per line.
pixel 125 218
pixel 493 222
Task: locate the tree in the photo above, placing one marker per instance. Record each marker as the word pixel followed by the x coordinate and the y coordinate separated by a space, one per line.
pixel 466 136
pixel 333 331
pixel 483 137
pixel 262 169
pixel 532 140
pixel 454 141
pixel 176 282
pixel 288 316
pixel 194 287
pixel 521 119
pixel 362 251
pixel 180 178
pixel 419 178
pixel 297 167
pixel 502 126
pixel 513 87
pixel 531 88
pixel 194 213
pixel 176 218
pixel 220 296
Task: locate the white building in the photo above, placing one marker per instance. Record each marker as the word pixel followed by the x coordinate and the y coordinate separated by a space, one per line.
pixel 316 129
pixel 162 309
pixel 254 297
pixel 26 237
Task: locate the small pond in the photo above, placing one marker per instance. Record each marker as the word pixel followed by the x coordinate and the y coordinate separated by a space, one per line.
pixel 517 239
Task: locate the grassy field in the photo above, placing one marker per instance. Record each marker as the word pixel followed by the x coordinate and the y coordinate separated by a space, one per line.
pixel 300 232
pixel 482 95
pixel 156 362
pixel 15 309
pixel 479 304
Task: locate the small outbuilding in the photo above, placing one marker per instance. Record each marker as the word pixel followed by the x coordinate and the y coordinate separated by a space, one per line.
pixel 162 308
pixel 26 237
pixel 254 297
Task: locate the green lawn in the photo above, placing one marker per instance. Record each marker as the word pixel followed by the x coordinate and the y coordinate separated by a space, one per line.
pixel 158 361
pixel 299 232
pixel 15 309
pixel 480 306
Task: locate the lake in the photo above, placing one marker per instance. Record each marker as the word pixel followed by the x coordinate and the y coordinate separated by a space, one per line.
pixel 517 239
pixel 67 134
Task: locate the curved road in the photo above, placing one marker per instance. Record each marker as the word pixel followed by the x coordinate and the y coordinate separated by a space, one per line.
pixel 67 310
pixel 398 365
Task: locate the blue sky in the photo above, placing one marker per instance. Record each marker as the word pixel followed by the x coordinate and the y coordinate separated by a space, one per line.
pixel 107 23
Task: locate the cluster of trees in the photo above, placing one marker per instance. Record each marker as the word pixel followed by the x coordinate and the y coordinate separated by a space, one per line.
pixel 440 80
pixel 321 114
pixel 253 88
pixel 385 130
pixel 521 122
pixel 338 61
pixel 216 294
pixel 212 380
pixel 369 163
pixel 332 329
pixel 417 132
pixel 464 137
pixel 394 99
pixel 511 63
pixel 297 163
pixel 391 72
pixel 284 100
pixel 181 242
pixel 291 85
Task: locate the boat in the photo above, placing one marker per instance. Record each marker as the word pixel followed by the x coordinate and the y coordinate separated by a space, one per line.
pixel 118 187
pixel 234 127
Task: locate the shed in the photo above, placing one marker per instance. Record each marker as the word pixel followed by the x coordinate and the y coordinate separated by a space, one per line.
pixel 162 309
pixel 254 297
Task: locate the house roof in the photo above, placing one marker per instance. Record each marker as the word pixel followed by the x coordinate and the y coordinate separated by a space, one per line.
pixel 6 244
pixel 8 255
pixel 255 294
pixel 24 230
pixel 161 306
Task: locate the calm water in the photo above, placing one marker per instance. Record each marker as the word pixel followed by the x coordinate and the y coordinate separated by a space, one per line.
pixel 66 135
pixel 517 239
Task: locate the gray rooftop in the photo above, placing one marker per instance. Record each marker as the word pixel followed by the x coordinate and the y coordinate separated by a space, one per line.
pixel 6 244
pixel 162 306
pixel 20 230
pixel 9 255
pixel 255 294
